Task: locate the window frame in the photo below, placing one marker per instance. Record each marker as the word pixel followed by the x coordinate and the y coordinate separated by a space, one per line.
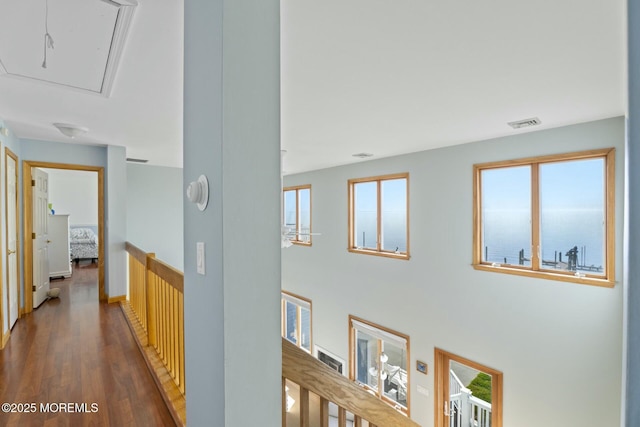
pixel 296 240
pixel 352 246
pixel 536 269
pixel 300 303
pixel 442 364
pixel 352 363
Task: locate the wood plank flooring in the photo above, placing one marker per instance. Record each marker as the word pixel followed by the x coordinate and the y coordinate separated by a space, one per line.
pixel 74 350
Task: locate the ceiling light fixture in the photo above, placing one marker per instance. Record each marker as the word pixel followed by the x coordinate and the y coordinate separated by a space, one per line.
pixel 70 130
pixel 48 40
pixel 362 155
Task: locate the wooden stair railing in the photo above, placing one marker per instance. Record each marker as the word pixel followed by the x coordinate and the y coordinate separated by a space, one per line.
pixel 311 375
pixel 155 312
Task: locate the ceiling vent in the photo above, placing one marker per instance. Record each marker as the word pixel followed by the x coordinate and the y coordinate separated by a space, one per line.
pixel 525 123
pixel 132 160
pixel 362 155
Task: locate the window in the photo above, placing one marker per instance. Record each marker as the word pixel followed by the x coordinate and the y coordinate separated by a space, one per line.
pixel 467 393
pixel 379 215
pixel 550 217
pixel 378 360
pixel 296 320
pixel 297 214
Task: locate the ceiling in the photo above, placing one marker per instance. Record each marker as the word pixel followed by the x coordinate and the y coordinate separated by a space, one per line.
pixel 375 76
pixel 134 100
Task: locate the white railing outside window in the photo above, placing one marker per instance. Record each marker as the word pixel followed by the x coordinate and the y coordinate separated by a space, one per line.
pixel 466 410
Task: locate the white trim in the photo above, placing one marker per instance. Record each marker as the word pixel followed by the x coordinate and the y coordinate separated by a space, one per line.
pixel 297 301
pixel 120 31
pixel 379 334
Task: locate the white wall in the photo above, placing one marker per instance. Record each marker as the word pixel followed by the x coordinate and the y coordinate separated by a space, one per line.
pixel 558 344
pixel 74 193
pixel 154 211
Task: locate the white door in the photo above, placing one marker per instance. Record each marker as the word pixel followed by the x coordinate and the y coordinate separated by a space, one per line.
pixel 41 238
pixel 12 238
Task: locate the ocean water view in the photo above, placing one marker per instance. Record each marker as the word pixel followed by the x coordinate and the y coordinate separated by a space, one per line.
pixel 506 233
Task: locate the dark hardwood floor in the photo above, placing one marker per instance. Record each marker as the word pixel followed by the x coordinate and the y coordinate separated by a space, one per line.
pixel 73 351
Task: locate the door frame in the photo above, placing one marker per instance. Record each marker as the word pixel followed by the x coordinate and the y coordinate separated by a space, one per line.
pixel 8 153
pixel 27 201
pixel 442 361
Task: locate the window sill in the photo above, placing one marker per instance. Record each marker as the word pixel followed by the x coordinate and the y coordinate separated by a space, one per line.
pixel 593 281
pixel 404 256
pixel 301 243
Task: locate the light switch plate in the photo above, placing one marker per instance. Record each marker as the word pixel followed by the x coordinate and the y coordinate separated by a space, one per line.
pixel 200 258
pixel 423 390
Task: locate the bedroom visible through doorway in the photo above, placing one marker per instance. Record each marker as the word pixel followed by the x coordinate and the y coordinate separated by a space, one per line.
pixel 75 211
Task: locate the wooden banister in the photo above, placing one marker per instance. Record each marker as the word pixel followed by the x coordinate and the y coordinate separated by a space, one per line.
pixel 172 276
pixel 136 252
pixel 309 373
pixel 156 298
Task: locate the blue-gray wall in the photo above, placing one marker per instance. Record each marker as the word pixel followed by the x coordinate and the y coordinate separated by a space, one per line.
pixel 155 197
pixel 632 243
pixel 231 134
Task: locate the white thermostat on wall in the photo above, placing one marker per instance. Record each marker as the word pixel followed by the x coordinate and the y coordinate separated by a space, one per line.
pixel 198 192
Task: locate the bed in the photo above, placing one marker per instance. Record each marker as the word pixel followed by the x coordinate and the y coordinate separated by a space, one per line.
pixel 83 240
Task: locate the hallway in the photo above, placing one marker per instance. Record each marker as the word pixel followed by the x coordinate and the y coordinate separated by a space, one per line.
pixel 75 351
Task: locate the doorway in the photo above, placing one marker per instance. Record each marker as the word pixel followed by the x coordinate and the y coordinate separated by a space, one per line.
pixel 27 167
pixel 13 262
pixel 468 394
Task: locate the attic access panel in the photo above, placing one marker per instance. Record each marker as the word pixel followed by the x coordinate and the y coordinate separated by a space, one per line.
pixel 88 39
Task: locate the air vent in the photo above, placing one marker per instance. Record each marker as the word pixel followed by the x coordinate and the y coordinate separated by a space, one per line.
pixel 132 160
pixel 525 123
pixel 362 155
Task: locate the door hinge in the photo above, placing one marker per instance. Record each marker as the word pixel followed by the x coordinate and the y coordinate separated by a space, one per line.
pixel 33 182
pixel 33 288
pixel 33 235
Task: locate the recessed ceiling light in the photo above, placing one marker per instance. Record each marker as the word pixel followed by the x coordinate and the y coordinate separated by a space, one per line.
pixel 534 121
pixel 362 155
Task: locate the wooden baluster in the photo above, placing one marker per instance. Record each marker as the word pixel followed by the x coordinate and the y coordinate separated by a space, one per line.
pixel 304 407
pixel 324 412
pixel 342 417
pixel 284 402
pixel 172 327
pixel 357 421
pixel 181 341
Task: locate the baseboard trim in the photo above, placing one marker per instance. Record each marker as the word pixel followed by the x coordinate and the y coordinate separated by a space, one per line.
pixel 5 338
pixel 119 298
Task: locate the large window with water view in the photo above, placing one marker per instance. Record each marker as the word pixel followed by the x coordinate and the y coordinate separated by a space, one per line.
pixel 379 215
pixel 548 216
